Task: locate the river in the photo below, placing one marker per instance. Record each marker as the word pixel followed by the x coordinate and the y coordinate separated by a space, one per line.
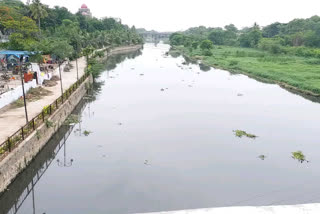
pixel 160 137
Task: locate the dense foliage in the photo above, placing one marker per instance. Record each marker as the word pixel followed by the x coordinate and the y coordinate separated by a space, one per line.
pixel 36 27
pixel 299 37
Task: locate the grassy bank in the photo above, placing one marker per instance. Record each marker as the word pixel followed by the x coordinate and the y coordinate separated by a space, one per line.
pixel 293 72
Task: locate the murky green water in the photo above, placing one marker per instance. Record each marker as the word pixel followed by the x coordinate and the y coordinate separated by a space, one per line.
pixel 162 139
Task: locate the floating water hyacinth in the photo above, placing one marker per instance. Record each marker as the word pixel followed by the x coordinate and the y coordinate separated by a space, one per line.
pixel 298 155
pixel 241 133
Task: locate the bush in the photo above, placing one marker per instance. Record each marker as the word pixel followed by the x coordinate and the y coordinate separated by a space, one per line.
pixel 233 62
pixel 206 45
pixel 272 45
pixel 207 53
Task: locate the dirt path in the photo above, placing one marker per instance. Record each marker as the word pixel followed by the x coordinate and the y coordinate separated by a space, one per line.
pixel 12 119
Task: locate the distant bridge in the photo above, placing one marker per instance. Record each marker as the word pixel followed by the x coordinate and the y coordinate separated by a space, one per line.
pixel 155 35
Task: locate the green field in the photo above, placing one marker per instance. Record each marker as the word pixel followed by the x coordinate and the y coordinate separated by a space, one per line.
pixel 299 73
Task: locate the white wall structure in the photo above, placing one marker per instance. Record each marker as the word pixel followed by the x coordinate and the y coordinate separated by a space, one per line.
pixel 281 209
pixel 16 93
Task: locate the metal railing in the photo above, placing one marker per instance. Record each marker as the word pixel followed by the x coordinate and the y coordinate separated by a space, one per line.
pixel 14 140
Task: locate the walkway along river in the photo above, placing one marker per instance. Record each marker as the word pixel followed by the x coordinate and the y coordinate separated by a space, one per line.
pixel 160 137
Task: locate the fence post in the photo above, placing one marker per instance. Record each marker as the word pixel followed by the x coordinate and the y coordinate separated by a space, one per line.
pixel 42 115
pixel 22 134
pixel 33 124
pixel 50 109
pixel 9 144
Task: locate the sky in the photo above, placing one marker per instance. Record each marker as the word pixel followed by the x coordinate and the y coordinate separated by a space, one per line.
pixel 175 15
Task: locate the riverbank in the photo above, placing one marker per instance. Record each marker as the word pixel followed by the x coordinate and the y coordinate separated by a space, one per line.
pixel 11 119
pixel 15 161
pixel 300 74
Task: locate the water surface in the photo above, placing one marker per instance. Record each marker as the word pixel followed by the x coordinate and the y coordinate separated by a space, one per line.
pixel 162 139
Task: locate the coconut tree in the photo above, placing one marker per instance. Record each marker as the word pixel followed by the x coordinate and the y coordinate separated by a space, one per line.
pixel 38 11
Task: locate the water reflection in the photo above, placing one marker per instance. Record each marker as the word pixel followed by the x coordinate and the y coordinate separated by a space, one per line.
pixel 25 184
pixel 151 149
pixel 24 187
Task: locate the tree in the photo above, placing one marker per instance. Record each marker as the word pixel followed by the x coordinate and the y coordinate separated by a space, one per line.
pixel 61 50
pixel 195 44
pixel 177 39
pixel 272 30
pixel 38 11
pixel 206 45
pixel 87 52
pixel 217 36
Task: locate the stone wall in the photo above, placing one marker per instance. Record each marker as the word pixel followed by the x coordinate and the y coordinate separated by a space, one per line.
pixel 20 157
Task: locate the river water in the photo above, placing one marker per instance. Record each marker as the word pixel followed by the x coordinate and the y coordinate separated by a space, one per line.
pixel 162 139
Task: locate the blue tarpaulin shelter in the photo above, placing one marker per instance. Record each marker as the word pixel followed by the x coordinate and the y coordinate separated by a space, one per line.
pixel 15 53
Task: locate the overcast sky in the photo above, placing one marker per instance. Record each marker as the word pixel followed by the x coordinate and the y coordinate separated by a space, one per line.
pixel 174 15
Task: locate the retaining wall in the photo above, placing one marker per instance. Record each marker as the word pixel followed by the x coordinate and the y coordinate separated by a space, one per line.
pixel 19 158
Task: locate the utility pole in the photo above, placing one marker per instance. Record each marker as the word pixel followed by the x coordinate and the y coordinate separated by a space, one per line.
pixel 60 78
pixel 23 92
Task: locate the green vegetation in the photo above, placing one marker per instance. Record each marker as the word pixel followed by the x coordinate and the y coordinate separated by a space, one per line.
pixel 32 95
pixel 299 156
pixel 58 32
pixel 87 133
pixel 49 123
pixel 262 157
pixel 287 54
pixel 240 133
pixel 72 119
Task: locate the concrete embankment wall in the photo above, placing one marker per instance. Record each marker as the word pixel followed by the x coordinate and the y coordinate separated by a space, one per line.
pixel 124 49
pixel 19 158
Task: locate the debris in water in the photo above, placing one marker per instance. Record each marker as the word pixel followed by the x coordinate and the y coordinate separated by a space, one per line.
pixel 240 133
pixel 190 85
pixel 262 157
pixel 119 124
pixel 239 95
pixel 132 68
pixel 146 162
pixel 86 133
pixel 298 155
pixel 162 89
pixel 141 74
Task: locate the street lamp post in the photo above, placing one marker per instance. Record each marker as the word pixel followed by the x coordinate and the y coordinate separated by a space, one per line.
pixel 23 92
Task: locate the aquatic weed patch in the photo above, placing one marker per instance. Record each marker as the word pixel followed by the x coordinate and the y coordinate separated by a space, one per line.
pixel 241 133
pixel 72 119
pixel 87 133
pixel 298 155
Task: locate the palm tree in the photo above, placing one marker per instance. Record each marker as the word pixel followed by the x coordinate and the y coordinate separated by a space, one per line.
pixel 38 11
